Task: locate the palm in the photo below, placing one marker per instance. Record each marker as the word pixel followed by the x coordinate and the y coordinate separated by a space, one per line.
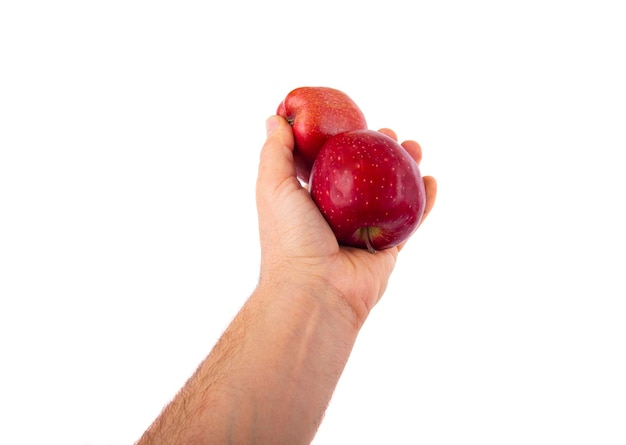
pixel 308 243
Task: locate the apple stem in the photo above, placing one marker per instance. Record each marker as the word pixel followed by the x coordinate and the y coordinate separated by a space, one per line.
pixel 368 241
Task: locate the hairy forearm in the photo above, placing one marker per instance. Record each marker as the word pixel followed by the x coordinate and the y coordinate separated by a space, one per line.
pixel 246 392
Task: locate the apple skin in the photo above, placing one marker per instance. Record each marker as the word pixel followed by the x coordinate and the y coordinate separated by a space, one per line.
pixel 369 189
pixel 315 115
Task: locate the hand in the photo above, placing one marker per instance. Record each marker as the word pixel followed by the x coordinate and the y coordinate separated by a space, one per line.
pixel 298 246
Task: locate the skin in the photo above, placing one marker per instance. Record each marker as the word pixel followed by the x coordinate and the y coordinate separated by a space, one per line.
pixel 270 377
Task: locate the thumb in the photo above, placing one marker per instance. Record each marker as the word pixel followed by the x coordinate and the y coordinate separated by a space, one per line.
pixel 276 162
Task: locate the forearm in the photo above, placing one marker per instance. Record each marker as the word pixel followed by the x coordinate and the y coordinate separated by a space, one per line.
pixel 246 392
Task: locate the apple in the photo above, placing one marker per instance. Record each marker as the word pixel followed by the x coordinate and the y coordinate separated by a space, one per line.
pixel 369 189
pixel 316 114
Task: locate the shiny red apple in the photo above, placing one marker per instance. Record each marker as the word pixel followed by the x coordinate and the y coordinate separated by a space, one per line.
pixel 316 114
pixel 369 189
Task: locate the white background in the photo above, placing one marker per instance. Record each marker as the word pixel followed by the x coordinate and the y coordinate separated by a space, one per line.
pixel 129 141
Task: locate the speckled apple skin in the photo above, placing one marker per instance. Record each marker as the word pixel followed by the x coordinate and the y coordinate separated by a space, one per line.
pixel 364 178
pixel 315 115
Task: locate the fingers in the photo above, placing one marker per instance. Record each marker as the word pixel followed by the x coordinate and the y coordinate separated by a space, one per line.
pixel 414 149
pixel 430 185
pixel 276 162
pixel 389 132
pixel 276 165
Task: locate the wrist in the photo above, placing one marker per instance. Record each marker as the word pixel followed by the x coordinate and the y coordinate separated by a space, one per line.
pixel 310 297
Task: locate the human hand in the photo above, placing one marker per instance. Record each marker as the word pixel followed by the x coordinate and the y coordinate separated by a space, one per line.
pixel 271 375
pixel 297 244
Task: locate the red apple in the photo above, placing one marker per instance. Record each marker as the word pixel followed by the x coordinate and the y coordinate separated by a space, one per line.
pixel 316 114
pixel 369 189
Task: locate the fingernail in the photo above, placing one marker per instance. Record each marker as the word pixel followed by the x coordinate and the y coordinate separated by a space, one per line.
pixel 271 124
